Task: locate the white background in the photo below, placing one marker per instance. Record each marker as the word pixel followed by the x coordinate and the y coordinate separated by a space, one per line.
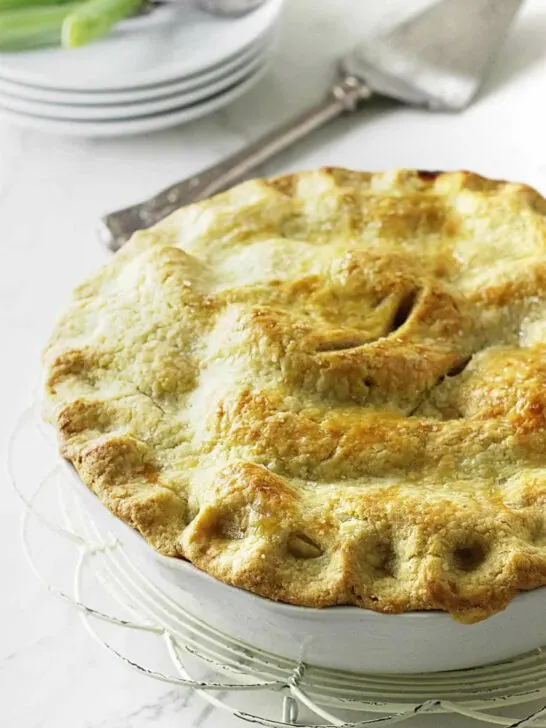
pixel 53 190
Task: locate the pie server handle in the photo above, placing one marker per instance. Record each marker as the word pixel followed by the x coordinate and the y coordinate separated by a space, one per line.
pixel 117 227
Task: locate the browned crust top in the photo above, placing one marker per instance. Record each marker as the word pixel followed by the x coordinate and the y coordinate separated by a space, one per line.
pixel 326 388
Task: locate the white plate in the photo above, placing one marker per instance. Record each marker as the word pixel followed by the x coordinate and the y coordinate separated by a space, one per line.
pixel 144 93
pixel 343 638
pixel 125 127
pixel 181 41
pixel 136 110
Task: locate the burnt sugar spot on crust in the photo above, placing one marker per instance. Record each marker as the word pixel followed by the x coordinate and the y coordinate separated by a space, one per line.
pixel 428 175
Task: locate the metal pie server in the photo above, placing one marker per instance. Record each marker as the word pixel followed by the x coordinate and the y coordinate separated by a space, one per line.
pixel 436 59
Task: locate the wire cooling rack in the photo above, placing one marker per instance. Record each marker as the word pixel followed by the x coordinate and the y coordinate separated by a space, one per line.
pixel 102 573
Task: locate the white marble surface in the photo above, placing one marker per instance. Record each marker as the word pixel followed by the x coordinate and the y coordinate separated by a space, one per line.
pixel 52 191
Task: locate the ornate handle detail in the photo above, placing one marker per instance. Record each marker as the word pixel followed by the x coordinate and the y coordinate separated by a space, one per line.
pixel 117 227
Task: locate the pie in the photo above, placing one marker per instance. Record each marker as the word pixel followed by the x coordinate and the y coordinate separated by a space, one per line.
pixel 326 388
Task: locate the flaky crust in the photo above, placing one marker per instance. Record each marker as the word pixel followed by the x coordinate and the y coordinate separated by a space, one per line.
pixel 326 388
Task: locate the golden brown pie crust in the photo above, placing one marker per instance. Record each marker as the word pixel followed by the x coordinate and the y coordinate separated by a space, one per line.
pixel 326 388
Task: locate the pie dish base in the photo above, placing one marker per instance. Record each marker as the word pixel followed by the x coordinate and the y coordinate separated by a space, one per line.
pixel 345 638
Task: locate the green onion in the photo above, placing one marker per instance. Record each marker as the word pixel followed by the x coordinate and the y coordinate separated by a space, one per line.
pixel 93 19
pixel 30 27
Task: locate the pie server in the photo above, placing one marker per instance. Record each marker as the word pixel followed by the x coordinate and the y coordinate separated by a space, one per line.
pixel 436 59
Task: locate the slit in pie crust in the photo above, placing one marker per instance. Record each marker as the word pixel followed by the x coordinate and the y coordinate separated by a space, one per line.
pixel 326 388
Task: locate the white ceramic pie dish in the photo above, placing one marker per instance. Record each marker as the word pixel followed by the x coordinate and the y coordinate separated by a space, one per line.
pixel 345 638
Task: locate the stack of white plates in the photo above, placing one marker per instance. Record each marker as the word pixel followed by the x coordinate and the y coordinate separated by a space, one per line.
pixel 152 72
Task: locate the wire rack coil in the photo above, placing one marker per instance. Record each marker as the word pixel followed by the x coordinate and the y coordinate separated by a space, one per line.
pixel 477 693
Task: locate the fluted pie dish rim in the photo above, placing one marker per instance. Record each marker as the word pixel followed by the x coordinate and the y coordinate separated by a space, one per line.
pixel 345 638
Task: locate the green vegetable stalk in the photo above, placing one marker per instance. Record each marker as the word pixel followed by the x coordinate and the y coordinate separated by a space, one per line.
pixel 20 4
pixel 93 19
pixel 30 27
